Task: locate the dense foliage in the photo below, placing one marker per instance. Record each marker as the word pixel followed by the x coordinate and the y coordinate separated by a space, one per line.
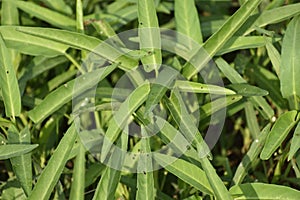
pixel 83 81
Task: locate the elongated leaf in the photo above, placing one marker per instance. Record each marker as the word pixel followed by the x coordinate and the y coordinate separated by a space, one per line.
pixel 64 94
pixel 11 189
pixel 5 122
pixel 10 16
pixel 290 61
pixel 279 132
pixel 271 17
pixel 136 98
pixel 37 66
pixel 162 83
pixel 117 19
pixel 188 86
pixel 295 145
pixel 218 39
pixel 9 83
pixel 93 172
pixel 186 124
pixel 274 57
pixel 175 140
pixel 9 13
pixel 46 14
pixel 59 5
pixel 220 191
pixel 187 20
pixel 238 43
pixel 259 102
pixel 77 189
pixel 186 171
pixel 251 119
pixel 149 34
pixel 83 42
pixel 29 44
pixel 13 150
pixel 251 155
pixel 264 191
pixel 79 17
pixel 21 164
pixel 107 185
pixel 218 104
pixel 50 175
pixel 145 180
pixel 270 82
pixel 247 90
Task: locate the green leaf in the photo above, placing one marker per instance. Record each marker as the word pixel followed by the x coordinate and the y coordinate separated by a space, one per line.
pixel 50 175
pixel 134 100
pixel 239 43
pixel 79 17
pixel 31 45
pixel 93 172
pixel 9 83
pixel 295 144
pixel 278 133
pixel 186 171
pixel 264 191
pixel 188 86
pixel 185 122
pixel 170 136
pixel 145 180
pixel 13 150
pixel 9 13
pixel 107 185
pixel 251 119
pixel 274 56
pixel 234 77
pixel 218 104
pixel 290 61
pixel 149 35
pixel 64 94
pixel 37 66
pixel 83 42
pixel 265 79
pixel 158 89
pixel 220 191
pixel 247 90
pixel 218 39
pixel 10 16
pixel 251 156
pixel 77 189
pixel 59 5
pixel 5 122
pixel 22 164
pixel 50 16
pixel 11 189
pixel 271 17
pixel 187 20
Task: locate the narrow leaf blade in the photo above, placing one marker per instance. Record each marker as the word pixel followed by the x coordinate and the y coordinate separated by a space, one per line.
pixel 279 132
pixel 9 83
pixel 290 61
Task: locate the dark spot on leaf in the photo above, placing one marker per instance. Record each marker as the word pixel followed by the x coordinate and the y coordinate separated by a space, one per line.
pixel 144 172
pixel 7 72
